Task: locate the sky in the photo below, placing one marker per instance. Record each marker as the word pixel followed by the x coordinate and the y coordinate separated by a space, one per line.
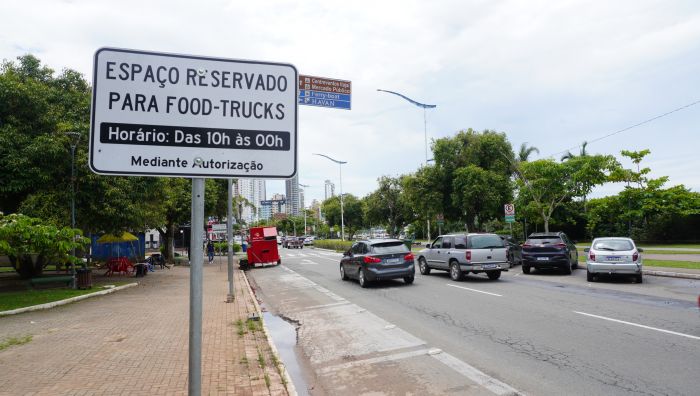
pixel 549 73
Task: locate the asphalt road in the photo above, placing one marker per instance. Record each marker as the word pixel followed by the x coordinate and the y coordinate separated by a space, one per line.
pixel 538 334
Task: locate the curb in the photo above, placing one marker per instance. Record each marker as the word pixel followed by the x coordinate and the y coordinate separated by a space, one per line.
pixel 66 301
pixel 290 385
pixel 671 274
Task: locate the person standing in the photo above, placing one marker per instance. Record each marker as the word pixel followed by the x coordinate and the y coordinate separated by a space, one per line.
pixel 210 251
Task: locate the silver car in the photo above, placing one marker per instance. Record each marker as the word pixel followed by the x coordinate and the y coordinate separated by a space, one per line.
pixel 461 254
pixel 613 256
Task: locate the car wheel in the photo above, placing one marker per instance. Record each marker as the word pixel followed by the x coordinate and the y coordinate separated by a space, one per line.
pixel 343 275
pixel 361 278
pixel 526 269
pixel 493 275
pixel 423 266
pixel 279 261
pixel 455 273
pixel 590 277
pixel 408 279
pixel 567 268
pixel 639 278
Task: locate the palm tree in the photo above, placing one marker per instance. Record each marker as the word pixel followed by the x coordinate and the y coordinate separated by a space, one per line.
pixel 582 153
pixel 526 151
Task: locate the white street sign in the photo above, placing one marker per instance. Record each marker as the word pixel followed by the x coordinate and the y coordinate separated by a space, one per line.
pixel 509 209
pixel 159 114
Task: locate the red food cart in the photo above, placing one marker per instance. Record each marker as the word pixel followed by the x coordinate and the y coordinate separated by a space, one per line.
pixel 262 246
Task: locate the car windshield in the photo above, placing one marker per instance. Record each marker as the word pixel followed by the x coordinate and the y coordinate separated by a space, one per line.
pixel 389 247
pixel 543 240
pixel 486 242
pixel 613 245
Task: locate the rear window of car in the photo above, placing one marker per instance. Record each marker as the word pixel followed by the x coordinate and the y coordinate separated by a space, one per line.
pixel 485 242
pixel 543 240
pixel 389 247
pixel 613 245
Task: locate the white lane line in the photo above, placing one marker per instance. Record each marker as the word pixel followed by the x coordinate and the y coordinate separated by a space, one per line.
pixel 476 375
pixel 639 325
pixel 323 306
pixel 474 290
pixel 380 359
pixel 308 262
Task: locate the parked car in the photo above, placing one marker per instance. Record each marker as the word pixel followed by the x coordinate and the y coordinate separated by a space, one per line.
pixel 377 259
pixel 295 242
pixel 553 250
pixel 309 240
pixel 613 256
pixel 279 239
pixel 515 251
pixel 461 254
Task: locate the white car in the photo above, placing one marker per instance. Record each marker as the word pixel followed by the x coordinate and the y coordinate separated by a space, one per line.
pixel 309 240
pixel 613 256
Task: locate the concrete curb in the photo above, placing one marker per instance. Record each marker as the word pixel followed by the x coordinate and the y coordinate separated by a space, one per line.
pixel 66 301
pixel 671 274
pixel 290 385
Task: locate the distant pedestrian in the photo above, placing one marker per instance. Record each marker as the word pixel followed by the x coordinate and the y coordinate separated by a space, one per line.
pixel 210 251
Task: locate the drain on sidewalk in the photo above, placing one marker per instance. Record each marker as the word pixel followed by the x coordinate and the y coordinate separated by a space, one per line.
pixel 253 316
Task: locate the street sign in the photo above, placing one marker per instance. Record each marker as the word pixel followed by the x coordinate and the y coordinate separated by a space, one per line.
pixel 510 218
pixel 218 227
pixel 160 114
pixel 509 209
pixel 325 92
pixel 440 219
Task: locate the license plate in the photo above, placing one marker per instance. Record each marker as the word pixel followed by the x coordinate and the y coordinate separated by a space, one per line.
pixel 489 266
pixel 613 258
pixel 542 258
pixel 392 261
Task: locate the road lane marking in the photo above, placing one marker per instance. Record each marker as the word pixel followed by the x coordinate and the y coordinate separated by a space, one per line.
pixel 309 308
pixel 308 262
pixel 474 290
pixel 639 325
pixel 475 375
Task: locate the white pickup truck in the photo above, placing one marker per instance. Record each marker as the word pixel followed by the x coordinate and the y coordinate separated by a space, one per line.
pixel 461 254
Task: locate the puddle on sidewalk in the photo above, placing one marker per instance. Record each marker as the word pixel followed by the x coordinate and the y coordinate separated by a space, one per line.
pixel 284 335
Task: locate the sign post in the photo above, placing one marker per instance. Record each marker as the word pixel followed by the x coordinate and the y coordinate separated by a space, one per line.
pixel 440 219
pixel 509 210
pixel 160 114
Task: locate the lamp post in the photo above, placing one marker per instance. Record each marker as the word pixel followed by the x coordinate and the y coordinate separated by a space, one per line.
pixel 74 139
pixel 425 131
pixel 342 220
pixel 302 206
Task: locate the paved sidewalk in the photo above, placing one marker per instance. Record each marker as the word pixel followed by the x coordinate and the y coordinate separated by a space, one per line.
pixel 135 342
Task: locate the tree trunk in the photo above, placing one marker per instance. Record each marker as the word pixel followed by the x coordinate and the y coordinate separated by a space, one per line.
pixel 28 265
pixel 546 224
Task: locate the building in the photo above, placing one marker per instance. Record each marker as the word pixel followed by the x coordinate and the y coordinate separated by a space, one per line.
pixel 292 190
pixel 252 190
pixel 316 209
pixel 269 208
pixel 330 190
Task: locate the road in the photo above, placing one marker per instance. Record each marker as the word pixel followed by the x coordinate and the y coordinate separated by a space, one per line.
pixel 539 334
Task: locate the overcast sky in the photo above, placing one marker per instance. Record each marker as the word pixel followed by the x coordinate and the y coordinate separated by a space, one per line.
pixel 550 73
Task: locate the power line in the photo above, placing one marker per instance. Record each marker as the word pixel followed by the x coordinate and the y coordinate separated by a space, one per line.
pixel 629 127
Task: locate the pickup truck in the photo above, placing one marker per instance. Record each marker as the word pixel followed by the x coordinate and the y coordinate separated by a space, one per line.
pixel 461 254
pixel 295 242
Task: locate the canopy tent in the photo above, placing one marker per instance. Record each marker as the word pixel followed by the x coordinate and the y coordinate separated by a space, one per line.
pixel 124 245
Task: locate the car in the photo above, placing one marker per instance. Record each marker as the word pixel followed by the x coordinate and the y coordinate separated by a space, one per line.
pixel 237 240
pixel 309 240
pixel 613 256
pixel 295 242
pixel 461 254
pixel 515 251
pixel 377 259
pixel 279 239
pixel 549 250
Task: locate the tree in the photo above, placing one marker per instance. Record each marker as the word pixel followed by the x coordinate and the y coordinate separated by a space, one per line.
pixel 387 205
pixel 582 153
pixel 544 185
pixel 352 209
pixel 480 193
pixel 525 152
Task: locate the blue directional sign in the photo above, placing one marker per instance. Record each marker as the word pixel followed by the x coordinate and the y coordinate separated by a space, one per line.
pixel 325 92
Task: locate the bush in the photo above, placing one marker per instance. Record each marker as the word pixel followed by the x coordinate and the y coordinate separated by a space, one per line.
pixel 333 244
pixel 223 248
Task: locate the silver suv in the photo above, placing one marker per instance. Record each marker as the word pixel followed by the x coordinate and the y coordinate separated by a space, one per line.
pixel 461 254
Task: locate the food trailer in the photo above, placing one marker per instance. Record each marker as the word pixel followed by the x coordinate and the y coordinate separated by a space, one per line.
pixel 262 247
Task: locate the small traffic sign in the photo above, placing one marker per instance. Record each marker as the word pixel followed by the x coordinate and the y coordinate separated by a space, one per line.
pixel 509 209
pixel 510 218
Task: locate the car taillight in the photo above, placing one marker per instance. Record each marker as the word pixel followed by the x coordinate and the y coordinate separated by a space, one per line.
pixel 560 246
pixel 371 260
pixel 468 255
pixel 526 246
pixel 591 256
pixel 635 256
pixel 408 257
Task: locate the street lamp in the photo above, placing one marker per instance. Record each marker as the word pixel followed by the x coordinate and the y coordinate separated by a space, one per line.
pixel 342 220
pixel 425 131
pixel 302 206
pixel 74 139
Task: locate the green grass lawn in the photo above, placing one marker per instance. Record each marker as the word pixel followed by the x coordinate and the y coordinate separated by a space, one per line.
pixel 27 298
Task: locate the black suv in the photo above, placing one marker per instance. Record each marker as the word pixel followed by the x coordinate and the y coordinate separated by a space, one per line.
pixel 549 250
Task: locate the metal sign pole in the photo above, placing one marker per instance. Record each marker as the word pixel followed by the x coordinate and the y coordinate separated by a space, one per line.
pixel 196 258
pixel 229 238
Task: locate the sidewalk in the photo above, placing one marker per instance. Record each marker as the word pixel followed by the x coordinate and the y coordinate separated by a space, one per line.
pixel 135 342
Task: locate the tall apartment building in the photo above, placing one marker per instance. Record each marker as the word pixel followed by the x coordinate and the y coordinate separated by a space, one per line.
pixel 330 189
pixel 254 191
pixel 292 192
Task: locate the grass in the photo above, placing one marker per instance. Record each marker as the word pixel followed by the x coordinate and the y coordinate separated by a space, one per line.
pixel 244 361
pixel 241 329
pixel 8 342
pixel 267 381
pixel 261 359
pixel 27 298
pixel 254 325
